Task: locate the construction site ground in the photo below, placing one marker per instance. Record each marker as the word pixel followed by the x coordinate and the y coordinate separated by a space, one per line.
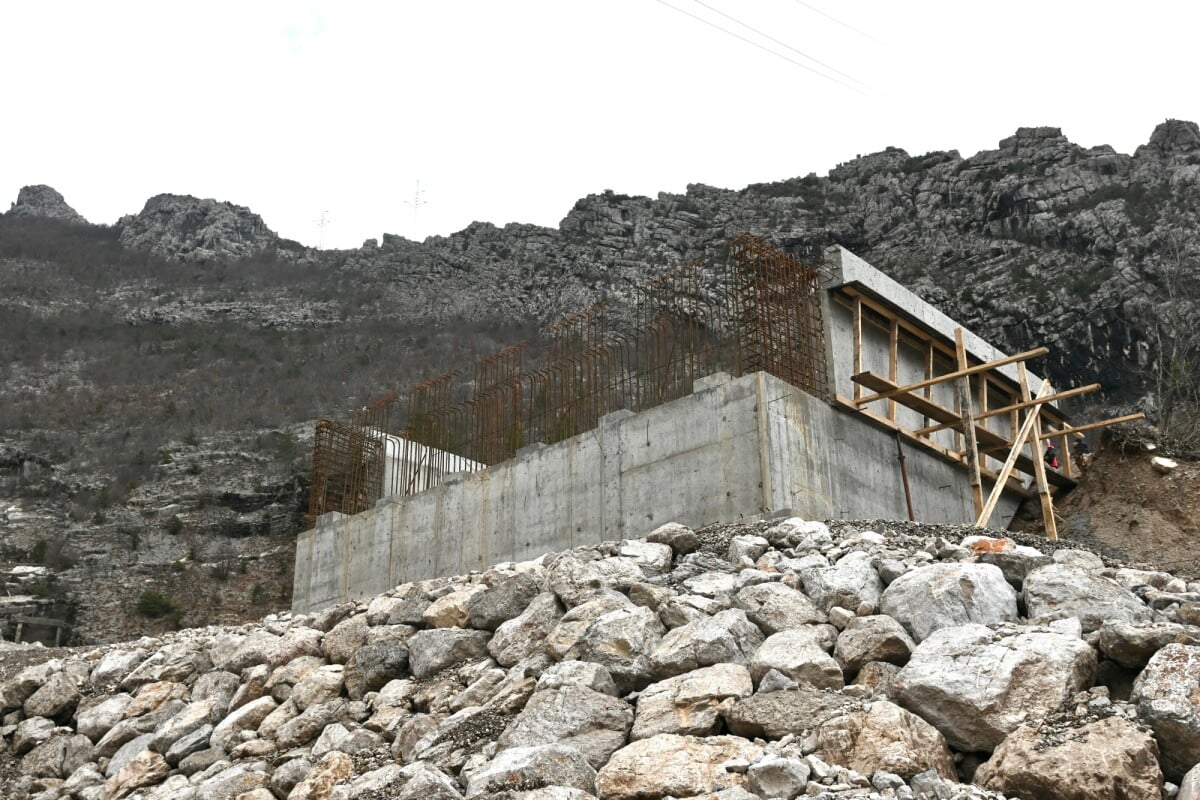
pixel 1126 510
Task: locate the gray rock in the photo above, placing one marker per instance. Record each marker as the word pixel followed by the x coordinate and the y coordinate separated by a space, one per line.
pixel 679 766
pixel 287 775
pixel 308 725
pixel 594 724
pixel 56 697
pixel 193 717
pixel 577 673
pixel 219 686
pixel 187 744
pixel 690 704
pixel 58 756
pixel 31 732
pixel 508 598
pixel 977 685
pixel 127 752
pixel 776 714
pixel 621 641
pixel 344 638
pixel 374 664
pixel 679 538
pixel 938 596
pixel 431 651
pixel 317 686
pixel 1189 787
pixel 777 777
pixel 726 637
pixel 873 638
pixel 1167 698
pixel 200 760
pixel 421 781
pixel 1059 590
pixel 653 558
pixel 747 546
pixel 525 634
pixel 246 718
pixel 340 738
pixel 1133 644
pixel 533 767
pixel 774 607
pixel 576 579
pixel 191 229
pixel 850 583
pixel 115 666
pixel 802 655
pixel 1014 560
pixel 43 201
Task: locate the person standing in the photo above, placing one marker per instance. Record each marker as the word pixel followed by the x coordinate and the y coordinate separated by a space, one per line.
pixel 1050 456
pixel 1081 451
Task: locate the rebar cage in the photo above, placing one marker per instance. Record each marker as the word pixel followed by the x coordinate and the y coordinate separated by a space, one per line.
pixel 758 308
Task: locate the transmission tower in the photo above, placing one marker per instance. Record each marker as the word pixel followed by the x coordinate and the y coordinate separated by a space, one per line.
pixel 321 222
pixel 416 204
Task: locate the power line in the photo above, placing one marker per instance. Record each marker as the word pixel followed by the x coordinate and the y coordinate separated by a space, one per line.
pixel 761 47
pixel 846 25
pixel 784 44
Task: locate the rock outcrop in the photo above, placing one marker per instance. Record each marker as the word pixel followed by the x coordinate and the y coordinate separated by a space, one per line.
pixel 190 229
pixel 426 692
pixel 44 201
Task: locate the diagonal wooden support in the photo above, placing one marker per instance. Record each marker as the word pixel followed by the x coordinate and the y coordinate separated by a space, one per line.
pixel 967 414
pixel 1039 466
pixel 1018 443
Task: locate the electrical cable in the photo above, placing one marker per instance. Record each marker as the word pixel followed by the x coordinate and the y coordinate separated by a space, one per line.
pixel 785 44
pixel 846 25
pixel 762 47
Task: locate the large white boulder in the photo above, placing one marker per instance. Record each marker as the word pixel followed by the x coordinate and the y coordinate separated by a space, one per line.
pixel 976 685
pixel 936 596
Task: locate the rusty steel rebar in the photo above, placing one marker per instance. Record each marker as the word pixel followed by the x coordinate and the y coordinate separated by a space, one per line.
pixel 758 308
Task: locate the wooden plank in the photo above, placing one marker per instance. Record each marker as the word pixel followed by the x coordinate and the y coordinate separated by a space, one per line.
pixel 966 412
pixel 1016 407
pixel 1039 466
pixel 1040 351
pixel 1011 462
pixel 893 363
pixel 857 344
pixel 1091 426
pixel 928 374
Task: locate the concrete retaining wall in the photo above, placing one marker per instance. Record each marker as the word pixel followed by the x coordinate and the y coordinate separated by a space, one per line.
pixel 733 449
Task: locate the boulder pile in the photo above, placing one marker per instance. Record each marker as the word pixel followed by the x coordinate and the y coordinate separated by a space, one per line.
pixel 776 659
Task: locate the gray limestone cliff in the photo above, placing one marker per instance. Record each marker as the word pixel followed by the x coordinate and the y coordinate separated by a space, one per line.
pixel 43 201
pixel 190 229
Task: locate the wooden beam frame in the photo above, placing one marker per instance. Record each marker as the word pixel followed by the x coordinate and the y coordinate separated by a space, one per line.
pixel 959 373
pixel 857 344
pixel 1091 426
pixel 1031 417
pixel 966 412
pixel 995 412
pixel 1039 466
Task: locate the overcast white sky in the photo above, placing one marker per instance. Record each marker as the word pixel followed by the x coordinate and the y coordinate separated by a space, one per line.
pixel 510 111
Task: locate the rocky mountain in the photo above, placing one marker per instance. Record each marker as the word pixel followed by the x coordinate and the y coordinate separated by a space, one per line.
pixel 185 228
pixel 1039 241
pixel 43 201
pixel 767 659
pixel 167 367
